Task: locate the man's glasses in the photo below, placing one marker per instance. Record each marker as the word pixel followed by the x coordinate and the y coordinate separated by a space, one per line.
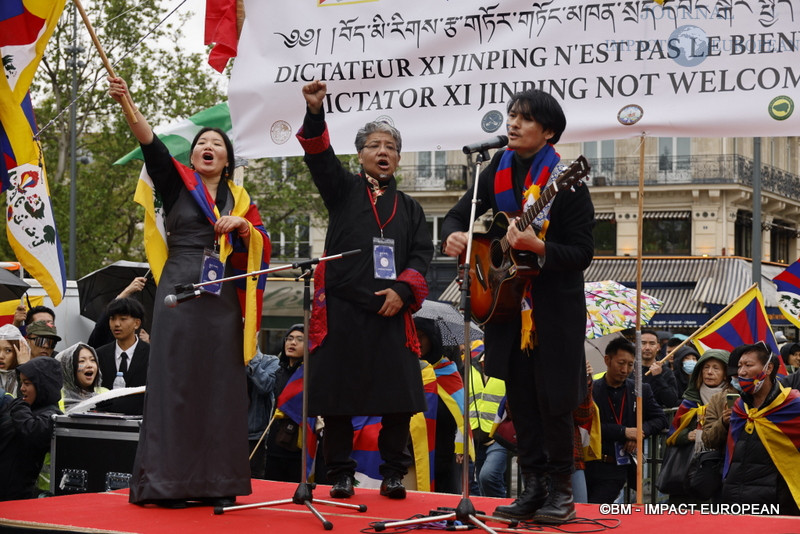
pixel 299 339
pixel 44 342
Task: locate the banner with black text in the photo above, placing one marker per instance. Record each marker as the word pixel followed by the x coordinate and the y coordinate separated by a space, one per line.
pixel 442 71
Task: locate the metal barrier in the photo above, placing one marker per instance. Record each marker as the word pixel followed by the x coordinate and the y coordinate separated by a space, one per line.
pixel 653 457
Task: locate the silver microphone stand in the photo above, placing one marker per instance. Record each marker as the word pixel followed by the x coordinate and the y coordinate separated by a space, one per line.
pixel 303 494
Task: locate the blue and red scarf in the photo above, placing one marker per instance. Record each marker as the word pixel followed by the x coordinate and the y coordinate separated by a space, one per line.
pixel 538 177
pixel 245 258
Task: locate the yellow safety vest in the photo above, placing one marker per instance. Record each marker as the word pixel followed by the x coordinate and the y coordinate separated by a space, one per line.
pixel 484 400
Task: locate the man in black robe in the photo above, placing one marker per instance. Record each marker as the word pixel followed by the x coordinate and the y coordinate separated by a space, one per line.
pixel 365 352
pixel 539 350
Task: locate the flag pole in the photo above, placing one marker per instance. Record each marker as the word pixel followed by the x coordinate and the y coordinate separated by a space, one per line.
pixel 717 316
pixel 638 365
pixel 127 102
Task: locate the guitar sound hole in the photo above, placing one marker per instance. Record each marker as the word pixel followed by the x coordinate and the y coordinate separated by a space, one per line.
pixel 496 254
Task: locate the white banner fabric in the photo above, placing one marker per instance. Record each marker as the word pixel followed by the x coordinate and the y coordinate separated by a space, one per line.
pixel 442 71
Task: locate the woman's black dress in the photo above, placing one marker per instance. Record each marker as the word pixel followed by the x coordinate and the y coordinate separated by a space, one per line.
pixel 193 442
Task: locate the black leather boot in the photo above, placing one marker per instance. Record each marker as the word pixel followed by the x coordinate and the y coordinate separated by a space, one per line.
pixel 531 499
pixel 559 506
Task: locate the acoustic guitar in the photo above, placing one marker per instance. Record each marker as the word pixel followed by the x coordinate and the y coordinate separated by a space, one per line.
pixel 498 272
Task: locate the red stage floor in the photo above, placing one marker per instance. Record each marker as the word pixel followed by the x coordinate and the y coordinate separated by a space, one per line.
pixel 111 512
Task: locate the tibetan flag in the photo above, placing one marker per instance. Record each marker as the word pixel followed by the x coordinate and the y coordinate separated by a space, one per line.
pixel 290 401
pixel 290 404
pixel 451 391
pixel 365 450
pixel 9 307
pixel 687 411
pixel 591 437
pixel 744 323
pixel 423 432
pixel 476 349
pixel 224 20
pixel 776 426
pixel 25 28
pixel 788 286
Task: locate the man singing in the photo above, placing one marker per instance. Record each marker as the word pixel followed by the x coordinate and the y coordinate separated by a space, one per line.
pixel 365 351
pixel 539 353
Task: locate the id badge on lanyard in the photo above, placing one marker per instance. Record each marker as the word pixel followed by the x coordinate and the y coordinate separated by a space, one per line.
pixel 383 258
pixel 383 247
pixel 213 269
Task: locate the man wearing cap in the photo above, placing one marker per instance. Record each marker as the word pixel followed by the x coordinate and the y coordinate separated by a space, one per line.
pixel 42 337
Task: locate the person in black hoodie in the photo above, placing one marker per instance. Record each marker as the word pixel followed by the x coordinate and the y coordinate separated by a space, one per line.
pixel 26 426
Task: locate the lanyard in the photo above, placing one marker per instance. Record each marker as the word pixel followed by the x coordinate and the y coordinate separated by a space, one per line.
pixel 618 418
pixel 375 211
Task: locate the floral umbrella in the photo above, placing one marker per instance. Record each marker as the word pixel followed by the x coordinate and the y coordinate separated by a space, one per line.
pixel 611 307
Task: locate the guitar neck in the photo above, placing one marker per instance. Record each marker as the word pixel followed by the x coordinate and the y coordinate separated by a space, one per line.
pixel 531 213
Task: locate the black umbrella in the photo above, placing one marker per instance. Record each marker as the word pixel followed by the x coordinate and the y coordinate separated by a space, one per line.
pixel 102 286
pixel 11 286
pixel 450 321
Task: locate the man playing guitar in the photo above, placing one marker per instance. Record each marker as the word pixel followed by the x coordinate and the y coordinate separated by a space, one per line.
pixel 539 350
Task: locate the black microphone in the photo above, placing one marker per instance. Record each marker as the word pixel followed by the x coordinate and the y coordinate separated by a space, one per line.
pixel 170 301
pixel 495 142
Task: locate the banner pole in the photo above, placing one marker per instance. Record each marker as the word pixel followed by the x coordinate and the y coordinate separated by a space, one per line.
pixel 638 365
pixel 127 102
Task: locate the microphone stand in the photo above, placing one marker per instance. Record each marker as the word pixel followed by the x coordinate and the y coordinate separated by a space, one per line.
pixel 179 288
pixel 303 494
pixel 465 511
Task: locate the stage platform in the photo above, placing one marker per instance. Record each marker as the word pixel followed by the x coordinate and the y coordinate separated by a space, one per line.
pixel 111 512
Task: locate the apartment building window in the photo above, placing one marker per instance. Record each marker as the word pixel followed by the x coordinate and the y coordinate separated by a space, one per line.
pixel 674 158
pixel 743 234
pixel 780 236
pixel 294 240
pixel 667 233
pixel 432 164
pixel 605 234
pixel 434 227
pixel 600 155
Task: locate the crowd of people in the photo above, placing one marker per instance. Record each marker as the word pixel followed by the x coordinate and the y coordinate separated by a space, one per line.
pixel 532 394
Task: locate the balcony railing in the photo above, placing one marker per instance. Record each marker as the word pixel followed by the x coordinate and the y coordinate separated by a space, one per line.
pixel 700 169
pixel 432 177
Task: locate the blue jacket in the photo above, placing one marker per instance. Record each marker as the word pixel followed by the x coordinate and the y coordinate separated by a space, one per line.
pixel 260 386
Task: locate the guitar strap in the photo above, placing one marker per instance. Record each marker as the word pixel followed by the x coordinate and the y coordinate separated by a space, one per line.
pixel 542 167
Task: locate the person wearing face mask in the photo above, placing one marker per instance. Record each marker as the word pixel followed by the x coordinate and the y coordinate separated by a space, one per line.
pixel 82 376
pixel 683 364
pixel 762 462
pixel 708 378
